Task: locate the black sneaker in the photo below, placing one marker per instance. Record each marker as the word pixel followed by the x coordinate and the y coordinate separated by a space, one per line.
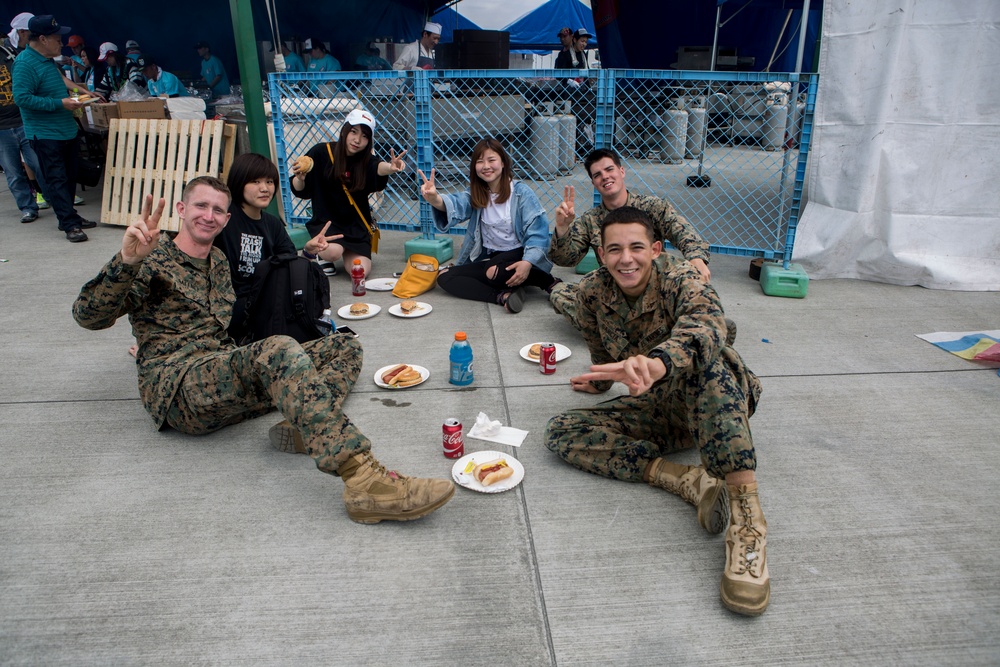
pixel 87 224
pixel 29 216
pixel 328 268
pixel 76 235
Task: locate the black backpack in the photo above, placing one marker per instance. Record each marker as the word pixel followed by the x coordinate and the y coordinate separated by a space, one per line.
pixel 288 298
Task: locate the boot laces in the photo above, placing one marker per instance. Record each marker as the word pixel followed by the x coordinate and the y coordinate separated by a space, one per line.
pixel 382 471
pixel 750 537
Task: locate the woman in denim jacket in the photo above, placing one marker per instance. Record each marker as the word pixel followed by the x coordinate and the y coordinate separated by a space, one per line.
pixel 508 234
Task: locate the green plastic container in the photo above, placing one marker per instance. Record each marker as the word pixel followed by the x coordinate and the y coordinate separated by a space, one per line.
pixel 299 235
pixel 775 280
pixel 442 248
pixel 588 263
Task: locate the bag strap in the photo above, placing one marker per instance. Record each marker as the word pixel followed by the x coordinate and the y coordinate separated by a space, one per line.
pixel 298 279
pixel 372 229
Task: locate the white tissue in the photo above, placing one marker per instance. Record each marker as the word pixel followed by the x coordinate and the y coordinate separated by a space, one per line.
pixel 493 431
pixel 484 426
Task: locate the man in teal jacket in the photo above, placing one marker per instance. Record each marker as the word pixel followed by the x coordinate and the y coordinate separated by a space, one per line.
pixel 40 92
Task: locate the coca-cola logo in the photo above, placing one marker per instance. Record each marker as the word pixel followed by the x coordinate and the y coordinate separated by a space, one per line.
pixel 453 439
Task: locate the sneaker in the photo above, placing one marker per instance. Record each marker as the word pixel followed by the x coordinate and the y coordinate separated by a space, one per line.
pixel 513 302
pixel 79 201
pixel 87 224
pixel 328 268
pixel 286 438
pixel 695 486
pixel 29 216
pixel 746 584
pixel 76 235
pixel 40 200
pixel 373 494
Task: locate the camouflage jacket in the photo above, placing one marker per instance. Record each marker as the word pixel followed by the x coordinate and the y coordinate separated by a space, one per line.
pixel 585 232
pixel 677 312
pixel 179 311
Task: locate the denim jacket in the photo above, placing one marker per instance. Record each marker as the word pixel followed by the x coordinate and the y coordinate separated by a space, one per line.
pixel 531 225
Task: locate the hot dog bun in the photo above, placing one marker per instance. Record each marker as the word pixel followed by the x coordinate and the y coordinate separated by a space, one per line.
pixel 393 372
pixel 535 352
pixel 303 165
pixel 492 472
pixel 408 376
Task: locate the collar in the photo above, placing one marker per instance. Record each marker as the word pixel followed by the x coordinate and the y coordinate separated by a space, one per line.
pixel 628 201
pixel 614 301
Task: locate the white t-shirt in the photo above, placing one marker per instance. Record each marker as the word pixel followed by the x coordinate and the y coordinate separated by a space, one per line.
pixel 497 226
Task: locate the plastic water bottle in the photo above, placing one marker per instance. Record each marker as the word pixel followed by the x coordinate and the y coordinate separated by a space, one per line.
pixel 327 317
pixel 357 279
pixel 461 360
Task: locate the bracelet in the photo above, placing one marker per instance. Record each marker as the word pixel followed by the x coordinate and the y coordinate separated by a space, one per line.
pixel 307 254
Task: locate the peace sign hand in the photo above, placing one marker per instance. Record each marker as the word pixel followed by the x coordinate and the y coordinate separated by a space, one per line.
pixel 143 234
pixel 318 243
pixel 396 163
pixel 429 192
pixel 566 211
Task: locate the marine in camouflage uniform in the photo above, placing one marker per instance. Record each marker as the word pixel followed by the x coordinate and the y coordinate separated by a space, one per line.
pixel 194 378
pixel 585 234
pixel 704 402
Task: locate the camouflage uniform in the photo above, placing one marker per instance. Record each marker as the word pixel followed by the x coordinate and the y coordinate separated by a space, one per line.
pixel 193 377
pixel 585 233
pixel 704 401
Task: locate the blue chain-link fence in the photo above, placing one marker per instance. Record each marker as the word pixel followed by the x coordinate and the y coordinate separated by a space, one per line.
pixel 729 149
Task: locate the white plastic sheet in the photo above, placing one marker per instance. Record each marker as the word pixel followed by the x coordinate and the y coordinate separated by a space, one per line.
pixel 904 171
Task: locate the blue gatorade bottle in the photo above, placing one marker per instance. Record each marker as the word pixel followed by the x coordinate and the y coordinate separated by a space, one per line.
pixel 461 360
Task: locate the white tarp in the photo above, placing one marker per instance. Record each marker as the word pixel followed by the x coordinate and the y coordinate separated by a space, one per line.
pixel 904 171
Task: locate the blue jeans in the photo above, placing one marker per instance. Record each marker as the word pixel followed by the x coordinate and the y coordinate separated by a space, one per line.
pixel 57 163
pixel 13 146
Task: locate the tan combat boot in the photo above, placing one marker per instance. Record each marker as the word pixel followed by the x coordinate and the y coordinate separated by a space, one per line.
pixel 693 484
pixel 373 494
pixel 746 583
pixel 286 438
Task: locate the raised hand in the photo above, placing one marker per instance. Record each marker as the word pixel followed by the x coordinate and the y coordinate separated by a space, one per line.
pixel 396 163
pixel 566 211
pixel 318 243
pixel 638 373
pixel 429 191
pixel 144 234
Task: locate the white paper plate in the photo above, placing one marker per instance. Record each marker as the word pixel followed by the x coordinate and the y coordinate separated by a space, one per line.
pixel 562 352
pixel 381 284
pixel 469 482
pixel 424 309
pixel 345 312
pixel 424 374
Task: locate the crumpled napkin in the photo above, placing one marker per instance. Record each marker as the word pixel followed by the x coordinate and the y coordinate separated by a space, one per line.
pixel 493 431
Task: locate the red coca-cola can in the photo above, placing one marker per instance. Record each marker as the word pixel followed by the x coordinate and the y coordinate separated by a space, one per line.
pixel 547 359
pixel 451 439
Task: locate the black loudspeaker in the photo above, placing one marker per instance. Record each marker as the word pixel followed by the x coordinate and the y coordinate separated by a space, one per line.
pixel 481 49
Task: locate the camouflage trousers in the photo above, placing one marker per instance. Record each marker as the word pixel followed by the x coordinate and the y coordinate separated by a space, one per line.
pixel 307 383
pixel 563 300
pixel 709 411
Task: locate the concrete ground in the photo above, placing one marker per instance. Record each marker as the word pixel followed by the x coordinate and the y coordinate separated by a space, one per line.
pixel 121 545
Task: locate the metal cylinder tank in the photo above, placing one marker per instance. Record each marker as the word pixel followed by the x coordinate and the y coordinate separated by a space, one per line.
pixel 544 148
pixel 695 132
pixel 567 142
pixel 672 128
pixel 773 128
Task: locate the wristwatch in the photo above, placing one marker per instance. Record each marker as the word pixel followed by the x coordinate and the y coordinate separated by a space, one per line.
pixel 661 354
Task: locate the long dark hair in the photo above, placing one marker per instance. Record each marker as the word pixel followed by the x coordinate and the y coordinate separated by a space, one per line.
pixel 351 171
pixel 247 168
pixel 478 188
pixel 93 65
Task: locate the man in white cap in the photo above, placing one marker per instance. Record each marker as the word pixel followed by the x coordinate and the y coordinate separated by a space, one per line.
pixel 132 50
pixel 119 71
pixel 420 54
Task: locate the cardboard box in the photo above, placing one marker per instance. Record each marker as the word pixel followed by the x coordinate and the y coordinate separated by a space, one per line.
pixel 154 107
pixel 100 115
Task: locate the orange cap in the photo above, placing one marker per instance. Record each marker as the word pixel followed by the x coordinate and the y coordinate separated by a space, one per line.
pixel 460 335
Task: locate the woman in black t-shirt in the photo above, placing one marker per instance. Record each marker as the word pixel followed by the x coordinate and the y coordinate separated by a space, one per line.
pixel 342 175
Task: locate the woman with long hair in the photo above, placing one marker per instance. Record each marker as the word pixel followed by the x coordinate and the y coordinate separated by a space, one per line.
pixel 508 234
pixel 94 71
pixel 338 177
pixel 253 235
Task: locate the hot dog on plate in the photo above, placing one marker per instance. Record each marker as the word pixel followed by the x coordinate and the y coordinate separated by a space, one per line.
pixel 492 472
pixel 401 375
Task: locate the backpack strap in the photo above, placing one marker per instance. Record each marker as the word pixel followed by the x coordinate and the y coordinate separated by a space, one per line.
pixel 298 279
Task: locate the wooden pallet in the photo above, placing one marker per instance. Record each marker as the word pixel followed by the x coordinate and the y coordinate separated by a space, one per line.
pixel 157 157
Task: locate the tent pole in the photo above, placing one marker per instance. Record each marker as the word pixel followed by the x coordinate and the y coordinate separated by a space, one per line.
pixel 246 55
pixel 802 36
pixel 700 181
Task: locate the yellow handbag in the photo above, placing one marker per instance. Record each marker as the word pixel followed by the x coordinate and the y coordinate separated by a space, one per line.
pixel 419 276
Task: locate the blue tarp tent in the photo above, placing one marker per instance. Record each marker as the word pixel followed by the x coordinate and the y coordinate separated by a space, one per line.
pixel 451 21
pixel 538 29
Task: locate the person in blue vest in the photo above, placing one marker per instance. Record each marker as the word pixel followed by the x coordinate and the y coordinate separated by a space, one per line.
pixel 293 61
pixel 212 70
pixel 132 50
pixel 159 82
pixel 320 60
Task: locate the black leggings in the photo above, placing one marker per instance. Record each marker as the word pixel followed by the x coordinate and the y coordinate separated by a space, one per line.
pixel 471 281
